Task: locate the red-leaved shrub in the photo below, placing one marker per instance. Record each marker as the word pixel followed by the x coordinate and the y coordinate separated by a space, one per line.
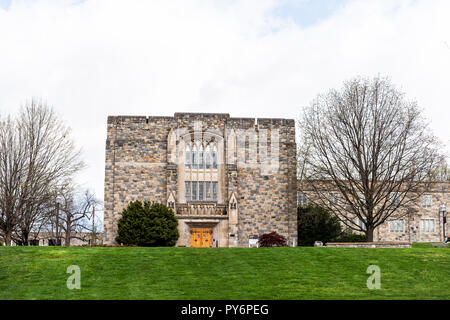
pixel 272 239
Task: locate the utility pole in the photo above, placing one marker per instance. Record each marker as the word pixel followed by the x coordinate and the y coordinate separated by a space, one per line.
pixel 57 224
pixel 93 221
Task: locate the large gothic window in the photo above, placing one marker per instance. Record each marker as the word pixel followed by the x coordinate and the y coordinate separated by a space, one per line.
pixel 201 157
pixel 201 174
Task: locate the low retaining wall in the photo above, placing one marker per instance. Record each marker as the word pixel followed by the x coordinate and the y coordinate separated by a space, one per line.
pixel 369 244
pixel 439 245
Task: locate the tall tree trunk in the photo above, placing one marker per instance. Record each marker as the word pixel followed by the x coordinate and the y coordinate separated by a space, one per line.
pixel 67 240
pixel 8 239
pixel 25 237
pixel 369 233
pixel 68 230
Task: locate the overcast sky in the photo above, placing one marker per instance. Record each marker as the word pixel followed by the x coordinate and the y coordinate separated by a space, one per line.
pixel 261 58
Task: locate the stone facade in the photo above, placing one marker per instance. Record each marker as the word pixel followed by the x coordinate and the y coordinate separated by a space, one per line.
pixel 425 223
pixel 234 176
pixel 420 222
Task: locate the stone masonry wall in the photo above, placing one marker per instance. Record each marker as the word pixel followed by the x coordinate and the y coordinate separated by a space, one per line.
pixel 267 201
pixel 412 217
pixel 137 168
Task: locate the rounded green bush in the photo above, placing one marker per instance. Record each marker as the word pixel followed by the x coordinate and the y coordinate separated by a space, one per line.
pixel 147 225
pixel 316 224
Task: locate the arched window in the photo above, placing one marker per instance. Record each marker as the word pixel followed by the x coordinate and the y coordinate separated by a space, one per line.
pixel 200 157
pixel 194 157
pixel 214 156
pixel 208 159
pixel 188 157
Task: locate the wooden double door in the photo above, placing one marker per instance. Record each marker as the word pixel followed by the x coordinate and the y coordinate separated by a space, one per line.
pixel 201 237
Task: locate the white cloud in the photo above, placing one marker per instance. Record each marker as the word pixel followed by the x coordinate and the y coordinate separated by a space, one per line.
pixel 110 57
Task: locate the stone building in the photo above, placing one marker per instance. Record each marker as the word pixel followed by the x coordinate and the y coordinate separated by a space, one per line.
pixel 228 180
pixel 51 239
pixel 421 221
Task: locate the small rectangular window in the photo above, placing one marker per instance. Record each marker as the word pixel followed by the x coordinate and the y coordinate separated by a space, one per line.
pixel 426 200
pixel 333 198
pixel 302 199
pixel 194 190
pixel 427 225
pixel 396 226
pixel 187 190
pixel 214 191
pixel 208 191
pixel 201 190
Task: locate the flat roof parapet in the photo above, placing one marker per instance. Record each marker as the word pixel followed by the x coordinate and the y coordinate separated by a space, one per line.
pixel 262 121
pixel 112 119
pixel 243 119
pixel 283 121
pixel 194 114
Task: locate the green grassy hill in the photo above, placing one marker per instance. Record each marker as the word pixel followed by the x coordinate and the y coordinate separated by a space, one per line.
pixel 222 273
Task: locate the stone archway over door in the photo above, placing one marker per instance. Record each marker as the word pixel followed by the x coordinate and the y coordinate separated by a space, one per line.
pixel 201 237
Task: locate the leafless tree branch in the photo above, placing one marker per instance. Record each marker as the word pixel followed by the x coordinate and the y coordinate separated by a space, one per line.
pixel 372 146
pixel 37 157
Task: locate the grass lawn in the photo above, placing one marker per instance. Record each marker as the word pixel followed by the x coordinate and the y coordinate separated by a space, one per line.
pixel 223 273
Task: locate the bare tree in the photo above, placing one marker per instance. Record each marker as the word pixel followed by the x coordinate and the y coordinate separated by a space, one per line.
pixel 303 151
pixel 373 147
pixel 31 217
pixel 36 157
pixel 76 213
pixel 12 164
pixel 442 171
